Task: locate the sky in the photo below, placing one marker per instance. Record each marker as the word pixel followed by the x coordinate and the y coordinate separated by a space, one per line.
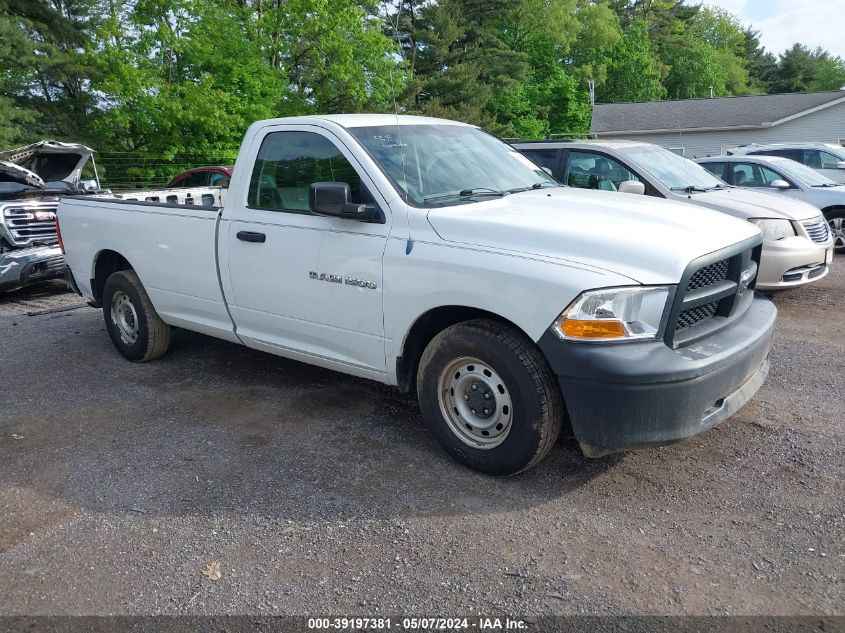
pixel 783 22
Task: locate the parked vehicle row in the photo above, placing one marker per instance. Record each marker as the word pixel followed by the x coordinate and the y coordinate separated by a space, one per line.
pixel 797 245
pixel 429 255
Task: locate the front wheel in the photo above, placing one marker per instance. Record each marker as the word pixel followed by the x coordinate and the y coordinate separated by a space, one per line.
pixel 134 326
pixel 489 397
pixel 836 222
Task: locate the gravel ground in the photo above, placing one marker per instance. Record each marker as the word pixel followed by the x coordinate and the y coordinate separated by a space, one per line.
pixel 323 494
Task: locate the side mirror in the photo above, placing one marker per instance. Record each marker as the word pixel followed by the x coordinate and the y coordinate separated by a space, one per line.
pixel 89 185
pixel 840 164
pixel 631 186
pixel 332 199
pixel 779 184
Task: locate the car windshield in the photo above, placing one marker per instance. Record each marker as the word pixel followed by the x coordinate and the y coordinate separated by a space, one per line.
pixel 435 164
pixel 673 171
pixel 807 175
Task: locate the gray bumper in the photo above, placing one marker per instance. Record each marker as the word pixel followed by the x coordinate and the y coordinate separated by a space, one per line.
pixel 21 267
pixel 635 395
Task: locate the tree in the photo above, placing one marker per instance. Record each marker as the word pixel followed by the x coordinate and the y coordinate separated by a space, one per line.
pixel 800 69
pixel 44 76
pixel 633 72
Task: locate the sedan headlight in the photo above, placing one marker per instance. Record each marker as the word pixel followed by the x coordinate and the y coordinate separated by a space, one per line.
pixel 630 313
pixel 775 229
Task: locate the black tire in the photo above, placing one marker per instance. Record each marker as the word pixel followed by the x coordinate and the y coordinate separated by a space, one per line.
pixel 124 296
pixel 836 221
pixel 530 425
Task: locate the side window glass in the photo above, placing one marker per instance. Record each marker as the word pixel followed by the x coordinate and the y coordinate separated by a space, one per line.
pixel 828 160
pixel 770 176
pixel 196 179
pixel 287 164
pixel 812 158
pixel 743 175
pixel 543 157
pixel 587 170
pixel 717 169
pixel 218 180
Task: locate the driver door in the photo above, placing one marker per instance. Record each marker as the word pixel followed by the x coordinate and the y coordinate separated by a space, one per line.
pixel 289 270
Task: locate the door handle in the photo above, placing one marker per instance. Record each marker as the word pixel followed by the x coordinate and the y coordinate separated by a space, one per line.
pixel 251 236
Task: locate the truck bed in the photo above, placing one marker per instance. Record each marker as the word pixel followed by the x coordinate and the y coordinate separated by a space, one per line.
pixel 181 279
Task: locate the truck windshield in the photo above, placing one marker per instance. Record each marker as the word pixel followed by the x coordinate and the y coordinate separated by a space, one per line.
pixel 448 164
pixel 673 171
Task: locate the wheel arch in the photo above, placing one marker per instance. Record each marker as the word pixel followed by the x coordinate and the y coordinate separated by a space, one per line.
pixel 106 262
pixel 426 327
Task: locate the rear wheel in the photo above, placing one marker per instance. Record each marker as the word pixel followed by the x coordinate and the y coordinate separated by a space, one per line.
pixel 134 326
pixel 489 397
pixel 836 222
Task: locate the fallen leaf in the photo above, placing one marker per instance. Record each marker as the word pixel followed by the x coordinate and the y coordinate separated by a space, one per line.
pixel 212 572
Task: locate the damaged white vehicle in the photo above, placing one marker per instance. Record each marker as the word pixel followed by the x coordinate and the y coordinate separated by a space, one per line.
pixel 32 179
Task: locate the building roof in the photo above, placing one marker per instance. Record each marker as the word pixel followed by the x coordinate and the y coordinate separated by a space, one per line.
pixel 688 115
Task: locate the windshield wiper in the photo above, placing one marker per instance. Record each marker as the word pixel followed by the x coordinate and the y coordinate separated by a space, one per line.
pixel 826 184
pixel 535 186
pixel 467 193
pixel 692 189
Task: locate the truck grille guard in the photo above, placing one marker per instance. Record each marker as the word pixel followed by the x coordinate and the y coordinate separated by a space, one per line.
pixel 713 290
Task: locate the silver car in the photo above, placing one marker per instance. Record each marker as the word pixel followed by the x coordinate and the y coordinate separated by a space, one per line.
pixel 826 158
pixel 785 176
pixel 797 247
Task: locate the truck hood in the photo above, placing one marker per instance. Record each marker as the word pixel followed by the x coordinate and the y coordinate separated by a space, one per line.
pixel 646 239
pixel 9 172
pixel 51 160
pixel 745 204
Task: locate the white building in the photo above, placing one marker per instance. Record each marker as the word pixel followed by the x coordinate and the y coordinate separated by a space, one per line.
pixel 708 127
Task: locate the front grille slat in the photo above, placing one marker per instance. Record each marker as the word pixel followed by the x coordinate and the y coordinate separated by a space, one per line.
pixel 691 317
pixel 705 277
pixel 817 229
pixel 709 275
pixel 29 224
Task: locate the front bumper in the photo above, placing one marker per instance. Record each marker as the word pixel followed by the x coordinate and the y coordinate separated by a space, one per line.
pixel 634 395
pixel 792 262
pixel 27 265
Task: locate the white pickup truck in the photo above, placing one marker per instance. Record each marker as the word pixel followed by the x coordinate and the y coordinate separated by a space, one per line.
pixel 428 254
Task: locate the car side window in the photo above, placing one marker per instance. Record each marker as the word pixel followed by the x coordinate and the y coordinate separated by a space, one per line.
pixel 195 179
pixel 287 164
pixel 752 175
pixel 768 176
pixel 821 159
pixel 218 180
pixel 717 169
pixel 588 170
pixel 543 157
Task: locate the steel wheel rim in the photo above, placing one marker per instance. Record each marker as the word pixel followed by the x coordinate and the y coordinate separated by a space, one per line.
pixel 124 317
pixel 475 402
pixel 837 228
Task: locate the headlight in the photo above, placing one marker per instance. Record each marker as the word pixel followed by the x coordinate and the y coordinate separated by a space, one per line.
pixel 775 229
pixel 614 314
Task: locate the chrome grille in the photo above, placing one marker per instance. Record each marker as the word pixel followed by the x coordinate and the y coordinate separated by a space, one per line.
pixel 691 317
pixel 709 275
pixel 29 225
pixel 817 229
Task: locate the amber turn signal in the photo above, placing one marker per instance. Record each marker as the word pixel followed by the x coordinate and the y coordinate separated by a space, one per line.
pixel 599 328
